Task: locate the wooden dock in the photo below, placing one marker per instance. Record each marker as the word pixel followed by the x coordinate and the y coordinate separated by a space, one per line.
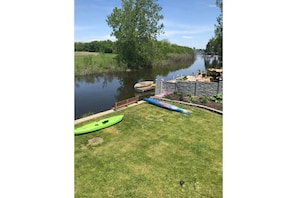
pixel 125 103
pixel 118 105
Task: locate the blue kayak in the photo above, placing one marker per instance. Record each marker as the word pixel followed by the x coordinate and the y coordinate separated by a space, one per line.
pixel 166 105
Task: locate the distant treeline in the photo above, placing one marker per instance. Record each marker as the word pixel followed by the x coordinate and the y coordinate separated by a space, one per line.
pixel 165 47
pixel 95 46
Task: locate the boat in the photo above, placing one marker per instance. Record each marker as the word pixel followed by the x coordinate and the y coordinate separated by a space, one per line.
pixel 144 86
pixel 166 105
pixel 98 125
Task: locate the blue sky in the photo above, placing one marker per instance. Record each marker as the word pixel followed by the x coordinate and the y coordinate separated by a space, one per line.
pixel 187 23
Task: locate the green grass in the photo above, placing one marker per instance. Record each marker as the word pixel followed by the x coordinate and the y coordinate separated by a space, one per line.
pixel 94 62
pixel 90 63
pixel 149 152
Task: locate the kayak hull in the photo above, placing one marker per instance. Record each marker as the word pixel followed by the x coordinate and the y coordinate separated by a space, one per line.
pixel 98 125
pixel 166 105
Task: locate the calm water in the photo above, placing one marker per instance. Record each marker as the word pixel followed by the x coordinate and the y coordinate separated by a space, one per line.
pixel 97 93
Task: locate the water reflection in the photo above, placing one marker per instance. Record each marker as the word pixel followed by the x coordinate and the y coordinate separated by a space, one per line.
pixel 213 62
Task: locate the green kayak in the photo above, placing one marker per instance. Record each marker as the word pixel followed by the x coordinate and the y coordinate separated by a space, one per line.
pixel 97 125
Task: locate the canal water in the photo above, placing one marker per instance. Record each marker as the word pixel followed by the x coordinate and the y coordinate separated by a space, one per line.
pixel 97 93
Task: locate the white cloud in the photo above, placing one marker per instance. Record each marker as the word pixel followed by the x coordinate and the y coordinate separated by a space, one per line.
pixel 108 37
pixel 187 37
pixel 187 34
pixel 172 29
pixel 90 38
pixel 190 30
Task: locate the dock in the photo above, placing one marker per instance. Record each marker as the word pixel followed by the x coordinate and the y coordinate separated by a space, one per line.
pixel 118 106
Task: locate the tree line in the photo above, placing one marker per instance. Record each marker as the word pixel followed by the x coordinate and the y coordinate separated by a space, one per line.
pixel 108 46
pixel 215 44
pixel 95 46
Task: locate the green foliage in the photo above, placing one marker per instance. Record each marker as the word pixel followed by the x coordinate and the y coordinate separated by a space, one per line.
pixel 87 60
pixel 215 44
pixel 96 46
pixel 166 54
pixel 191 98
pixel 203 99
pixel 218 98
pixel 91 63
pixel 136 27
pixel 168 49
pixel 178 93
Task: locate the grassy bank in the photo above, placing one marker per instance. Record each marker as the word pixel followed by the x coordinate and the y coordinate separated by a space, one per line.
pixel 149 153
pixel 175 61
pixel 93 62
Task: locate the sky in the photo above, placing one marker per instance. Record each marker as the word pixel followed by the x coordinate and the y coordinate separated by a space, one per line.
pixel 187 23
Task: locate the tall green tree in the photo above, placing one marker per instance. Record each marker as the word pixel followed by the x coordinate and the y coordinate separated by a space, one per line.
pixel 215 44
pixel 219 29
pixel 136 26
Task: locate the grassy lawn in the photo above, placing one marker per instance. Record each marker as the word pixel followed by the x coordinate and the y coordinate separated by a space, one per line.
pixel 92 62
pixel 149 153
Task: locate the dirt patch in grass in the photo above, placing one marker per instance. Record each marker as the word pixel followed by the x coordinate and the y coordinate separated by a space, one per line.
pixel 95 141
pixel 111 130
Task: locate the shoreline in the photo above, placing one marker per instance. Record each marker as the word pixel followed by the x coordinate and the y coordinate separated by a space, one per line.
pixel 97 115
pixel 100 114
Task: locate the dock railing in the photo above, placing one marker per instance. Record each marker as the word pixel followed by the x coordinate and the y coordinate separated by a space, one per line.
pixel 125 103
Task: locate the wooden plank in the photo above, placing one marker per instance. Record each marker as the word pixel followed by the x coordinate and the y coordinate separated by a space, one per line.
pixel 125 103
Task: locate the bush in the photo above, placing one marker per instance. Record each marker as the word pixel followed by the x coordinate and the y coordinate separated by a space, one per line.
pixel 218 98
pixel 202 99
pixel 191 98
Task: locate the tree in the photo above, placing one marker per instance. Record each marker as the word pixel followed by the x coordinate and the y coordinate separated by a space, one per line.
pixel 79 46
pixel 136 27
pixel 215 44
pixel 219 29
